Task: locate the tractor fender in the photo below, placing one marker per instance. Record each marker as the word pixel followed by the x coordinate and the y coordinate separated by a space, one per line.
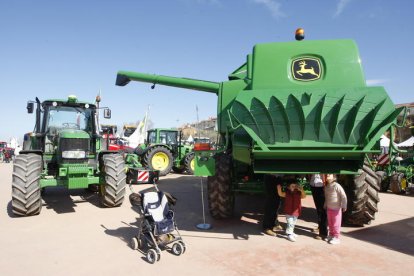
pixel 156 145
pixel 38 152
pixel 105 152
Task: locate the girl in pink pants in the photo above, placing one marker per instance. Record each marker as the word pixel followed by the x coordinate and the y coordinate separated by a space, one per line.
pixel 335 204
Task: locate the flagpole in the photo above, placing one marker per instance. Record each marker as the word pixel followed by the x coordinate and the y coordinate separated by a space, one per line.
pixel 204 225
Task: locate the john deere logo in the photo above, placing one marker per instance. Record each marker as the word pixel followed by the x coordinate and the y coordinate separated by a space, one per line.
pixel 306 69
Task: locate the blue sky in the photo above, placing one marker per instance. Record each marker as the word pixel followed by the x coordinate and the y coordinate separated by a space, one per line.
pixel 51 49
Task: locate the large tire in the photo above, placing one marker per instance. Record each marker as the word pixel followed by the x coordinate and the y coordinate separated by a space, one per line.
pixel 189 163
pixel 220 196
pixel 396 183
pixel 362 192
pixel 26 192
pixel 159 158
pixel 384 181
pixel 112 192
pixel 178 170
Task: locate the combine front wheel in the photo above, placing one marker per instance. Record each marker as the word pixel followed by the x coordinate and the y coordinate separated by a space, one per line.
pixel 26 192
pixel 113 191
pixel 362 192
pixel 220 197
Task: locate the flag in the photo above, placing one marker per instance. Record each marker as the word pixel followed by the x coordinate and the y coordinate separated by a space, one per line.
pixel 141 125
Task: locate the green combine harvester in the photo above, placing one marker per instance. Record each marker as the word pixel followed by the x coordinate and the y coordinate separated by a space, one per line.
pixel 299 107
pixel 66 150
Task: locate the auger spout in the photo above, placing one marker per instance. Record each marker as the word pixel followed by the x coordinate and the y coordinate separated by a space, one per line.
pixel 124 77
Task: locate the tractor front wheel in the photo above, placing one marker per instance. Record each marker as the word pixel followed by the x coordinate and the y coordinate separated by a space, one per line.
pixel 159 158
pixel 26 192
pixel 178 169
pixel 189 163
pixel 112 192
pixel 384 180
pixel 396 183
pixel 362 192
pixel 220 196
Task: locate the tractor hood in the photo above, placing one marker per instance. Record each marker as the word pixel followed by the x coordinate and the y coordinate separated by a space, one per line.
pixel 73 133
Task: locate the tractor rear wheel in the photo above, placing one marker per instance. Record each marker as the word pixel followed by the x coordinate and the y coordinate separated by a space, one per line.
pixel 220 196
pixel 189 163
pixel 26 192
pixel 362 192
pixel 396 183
pixel 385 181
pixel 113 191
pixel 159 158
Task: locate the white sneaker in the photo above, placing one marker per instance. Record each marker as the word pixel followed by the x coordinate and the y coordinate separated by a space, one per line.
pixel 291 238
pixel 335 241
pixel 293 234
pixel 328 238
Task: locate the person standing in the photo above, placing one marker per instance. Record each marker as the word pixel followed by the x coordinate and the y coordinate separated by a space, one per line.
pixel 272 204
pixel 293 196
pixel 335 204
pixel 317 183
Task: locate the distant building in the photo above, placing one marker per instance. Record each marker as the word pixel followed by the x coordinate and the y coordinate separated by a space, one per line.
pixel 204 128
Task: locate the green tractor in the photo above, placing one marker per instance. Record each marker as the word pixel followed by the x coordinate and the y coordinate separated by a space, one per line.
pixel 397 174
pixel 3 146
pixel 66 150
pixel 299 107
pixel 164 150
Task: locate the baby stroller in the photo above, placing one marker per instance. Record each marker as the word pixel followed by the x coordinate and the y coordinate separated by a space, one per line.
pixel 157 229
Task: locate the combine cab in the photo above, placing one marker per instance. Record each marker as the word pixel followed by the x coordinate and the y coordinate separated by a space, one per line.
pixel 65 150
pixel 128 130
pixel 293 108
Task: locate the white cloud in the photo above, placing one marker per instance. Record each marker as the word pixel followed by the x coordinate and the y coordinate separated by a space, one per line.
pixel 340 7
pixel 376 81
pixel 273 6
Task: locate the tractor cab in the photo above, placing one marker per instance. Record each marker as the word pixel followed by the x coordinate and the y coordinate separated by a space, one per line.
pixel 65 132
pixel 162 136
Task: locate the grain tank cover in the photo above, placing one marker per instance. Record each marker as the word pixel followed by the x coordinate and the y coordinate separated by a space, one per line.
pixel 333 63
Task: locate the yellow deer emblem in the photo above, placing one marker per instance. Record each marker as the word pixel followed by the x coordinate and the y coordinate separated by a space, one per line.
pixel 304 70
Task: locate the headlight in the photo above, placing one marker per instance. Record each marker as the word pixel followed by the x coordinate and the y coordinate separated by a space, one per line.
pixel 74 154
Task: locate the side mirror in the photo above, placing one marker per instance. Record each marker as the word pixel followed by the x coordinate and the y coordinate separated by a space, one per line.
pixel 107 113
pixel 30 107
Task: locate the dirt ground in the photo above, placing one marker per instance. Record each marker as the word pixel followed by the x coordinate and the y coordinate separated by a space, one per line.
pixel 74 236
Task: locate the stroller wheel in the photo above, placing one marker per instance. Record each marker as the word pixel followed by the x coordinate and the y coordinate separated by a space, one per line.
pixel 183 244
pixel 152 256
pixel 134 243
pixel 177 249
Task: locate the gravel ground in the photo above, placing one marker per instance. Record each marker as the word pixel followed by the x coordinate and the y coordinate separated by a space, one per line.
pixel 74 236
